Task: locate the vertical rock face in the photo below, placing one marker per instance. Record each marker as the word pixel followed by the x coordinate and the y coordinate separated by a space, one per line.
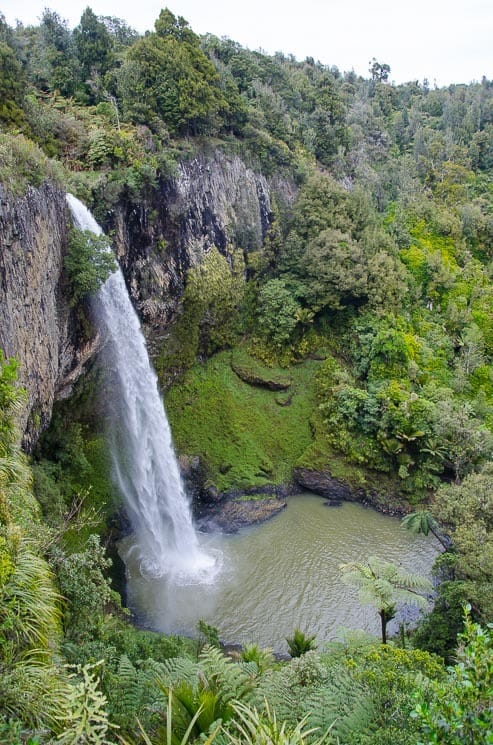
pixel 214 200
pixel 37 325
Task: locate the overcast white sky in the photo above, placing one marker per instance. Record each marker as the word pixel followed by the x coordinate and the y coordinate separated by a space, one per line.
pixel 445 41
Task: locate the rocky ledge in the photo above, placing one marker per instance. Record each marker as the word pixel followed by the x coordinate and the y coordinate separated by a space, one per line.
pixel 272 382
pixel 239 512
pixel 324 484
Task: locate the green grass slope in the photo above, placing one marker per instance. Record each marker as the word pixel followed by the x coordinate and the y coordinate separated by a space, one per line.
pixel 246 435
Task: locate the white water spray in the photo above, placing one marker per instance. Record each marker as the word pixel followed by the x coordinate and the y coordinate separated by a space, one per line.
pixel 145 469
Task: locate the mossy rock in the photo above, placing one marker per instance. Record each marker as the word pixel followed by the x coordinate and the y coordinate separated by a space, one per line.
pixel 247 510
pixel 253 372
pixel 284 398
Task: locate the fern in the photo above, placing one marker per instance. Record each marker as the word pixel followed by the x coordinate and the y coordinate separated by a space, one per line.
pixel 126 690
pixel 229 679
pixel 283 698
pixel 340 704
pixel 85 719
pixel 173 671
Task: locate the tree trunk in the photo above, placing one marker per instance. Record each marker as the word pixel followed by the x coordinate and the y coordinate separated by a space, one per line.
pixel 383 619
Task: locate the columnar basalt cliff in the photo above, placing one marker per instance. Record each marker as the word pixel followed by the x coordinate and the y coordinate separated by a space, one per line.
pixel 214 200
pixel 37 325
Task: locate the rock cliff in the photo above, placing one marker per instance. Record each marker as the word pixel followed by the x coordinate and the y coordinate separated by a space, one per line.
pixel 214 199
pixel 37 325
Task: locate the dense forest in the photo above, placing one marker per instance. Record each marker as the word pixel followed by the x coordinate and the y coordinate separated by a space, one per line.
pixel 362 329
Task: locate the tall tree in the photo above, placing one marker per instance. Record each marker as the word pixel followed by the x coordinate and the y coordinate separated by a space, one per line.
pixel 166 74
pixel 52 62
pixel 382 584
pixel 12 86
pixel 94 45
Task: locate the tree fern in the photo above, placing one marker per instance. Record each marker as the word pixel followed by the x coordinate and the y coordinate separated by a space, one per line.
pixel 171 672
pixel 126 690
pixel 284 698
pixel 381 584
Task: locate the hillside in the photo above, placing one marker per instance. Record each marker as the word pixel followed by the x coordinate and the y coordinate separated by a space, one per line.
pixel 310 255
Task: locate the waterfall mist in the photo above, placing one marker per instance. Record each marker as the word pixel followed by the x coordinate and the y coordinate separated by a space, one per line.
pixel 144 465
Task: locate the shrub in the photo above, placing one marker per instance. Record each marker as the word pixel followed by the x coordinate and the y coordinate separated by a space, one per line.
pixel 300 643
pixel 88 262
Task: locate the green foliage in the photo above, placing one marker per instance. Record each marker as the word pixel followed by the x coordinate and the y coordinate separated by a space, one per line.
pixel 217 416
pixel 32 688
pixel 89 262
pixel 168 75
pixel 466 510
pixel 30 615
pixel 200 693
pixel 12 86
pixel 422 521
pixel 254 728
pixel 93 44
pixel 52 60
pixel 208 635
pixel 389 678
pixel 85 719
pixel 437 631
pixel 322 692
pixel 23 164
pixel 72 474
pixel 207 323
pixel 85 587
pixel 254 372
pixel 13 472
pixel 300 643
pixel 263 658
pixel 467 443
pixel 381 584
pixel 386 258
pixel 458 709
pixel 277 312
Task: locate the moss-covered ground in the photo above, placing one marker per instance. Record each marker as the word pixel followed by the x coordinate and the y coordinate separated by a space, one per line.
pixel 243 434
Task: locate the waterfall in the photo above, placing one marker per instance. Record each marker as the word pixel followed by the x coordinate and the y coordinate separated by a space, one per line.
pixel 144 465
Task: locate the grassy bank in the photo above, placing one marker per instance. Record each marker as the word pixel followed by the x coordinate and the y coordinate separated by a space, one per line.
pixel 245 434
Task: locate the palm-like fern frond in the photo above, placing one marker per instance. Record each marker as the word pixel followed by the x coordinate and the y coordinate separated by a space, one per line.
pixel 380 582
pixel 32 690
pixel 229 679
pixel 173 671
pixel 341 704
pixel 253 727
pixel 29 603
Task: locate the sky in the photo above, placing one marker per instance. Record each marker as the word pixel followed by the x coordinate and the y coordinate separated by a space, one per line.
pixel 443 41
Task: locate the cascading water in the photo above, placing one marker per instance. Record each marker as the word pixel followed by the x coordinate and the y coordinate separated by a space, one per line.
pixel 145 469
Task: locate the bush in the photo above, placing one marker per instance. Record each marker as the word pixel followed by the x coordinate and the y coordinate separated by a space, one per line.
pixel 23 164
pixel 88 262
pixel 300 643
